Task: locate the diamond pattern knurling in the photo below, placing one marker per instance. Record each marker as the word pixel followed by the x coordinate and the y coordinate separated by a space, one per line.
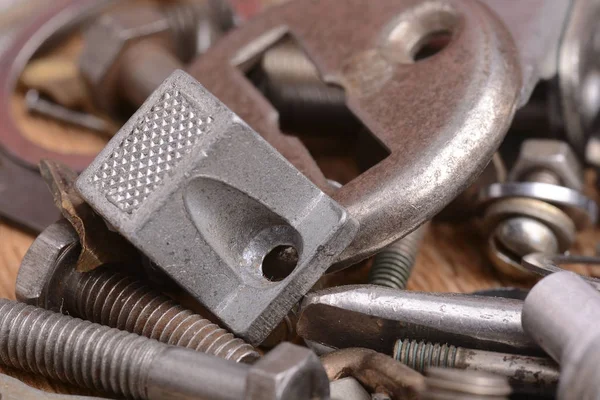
pixel 154 147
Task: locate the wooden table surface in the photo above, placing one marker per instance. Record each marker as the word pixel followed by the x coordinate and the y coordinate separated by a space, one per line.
pixel 451 259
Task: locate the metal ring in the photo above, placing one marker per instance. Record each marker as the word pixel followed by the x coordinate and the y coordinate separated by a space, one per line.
pixel 558 221
pixel 546 264
pixel 42 30
pixel 579 207
pixel 505 263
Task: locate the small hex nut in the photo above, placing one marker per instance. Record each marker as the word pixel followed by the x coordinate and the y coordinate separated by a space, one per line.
pixel 108 38
pixel 554 155
pixel 288 372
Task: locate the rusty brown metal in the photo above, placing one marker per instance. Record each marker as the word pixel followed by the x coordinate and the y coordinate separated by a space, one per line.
pixel 62 17
pixel 99 245
pixel 376 371
pixel 437 144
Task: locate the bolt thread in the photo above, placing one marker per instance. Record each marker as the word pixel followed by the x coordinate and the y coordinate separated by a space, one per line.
pixel 542 176
pixel 195 26
pixel 422 355
pixel 394 264
pixel 75 351
pixel 120 301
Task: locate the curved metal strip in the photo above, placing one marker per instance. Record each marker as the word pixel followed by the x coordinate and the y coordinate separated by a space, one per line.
pixel 442 118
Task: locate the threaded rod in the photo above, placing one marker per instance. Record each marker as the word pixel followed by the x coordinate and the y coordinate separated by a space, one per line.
pixel 535 375
pixel 394 264
pixel 422 355
pixel 120 301
pixel 75 351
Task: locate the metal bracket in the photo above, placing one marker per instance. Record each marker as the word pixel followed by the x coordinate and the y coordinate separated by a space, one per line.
pixel 209 201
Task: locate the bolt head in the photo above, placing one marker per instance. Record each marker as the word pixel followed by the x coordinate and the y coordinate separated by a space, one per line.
pixel 524 236
pixel 288 372
pixel 106 41
pixel 554 155
pixel 52 255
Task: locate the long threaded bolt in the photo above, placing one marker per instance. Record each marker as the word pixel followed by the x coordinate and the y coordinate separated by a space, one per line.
pixel 98 357
pixel 113 361
pixel 394 264
pixel 122 302
pixel 530 374
pixel 47 278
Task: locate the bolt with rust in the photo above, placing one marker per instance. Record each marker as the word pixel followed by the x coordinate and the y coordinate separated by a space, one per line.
pixel 47 278
pixel 113 361
pixel 532 375
pixel 394 264
pixel 130 51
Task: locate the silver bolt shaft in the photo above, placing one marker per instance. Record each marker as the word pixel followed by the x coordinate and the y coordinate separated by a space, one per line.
pixel 394 264
pixel 120 301
pixel 542 176
pixel 37 104
pixel 109 360
pixel 530 374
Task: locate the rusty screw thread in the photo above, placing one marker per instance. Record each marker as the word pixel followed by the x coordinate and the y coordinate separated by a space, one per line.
pixel 196 25
pixel 422 355
pixel 75 351
pixel 535 375
pixel 122 302
pixel 393 265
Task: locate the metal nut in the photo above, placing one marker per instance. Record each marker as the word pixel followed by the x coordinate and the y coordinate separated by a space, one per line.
pixel 283 374
pixel 554 155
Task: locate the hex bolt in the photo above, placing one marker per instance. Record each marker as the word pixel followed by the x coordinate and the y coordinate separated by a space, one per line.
pixel 561 314
pixel 545 161
pixel 127 54
pixel 122 302
pixel 117 300
pixel 394 264
pixel 532 375
pixel 110 360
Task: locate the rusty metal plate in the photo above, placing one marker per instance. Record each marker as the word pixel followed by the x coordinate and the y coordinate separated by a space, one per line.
pixel 441 118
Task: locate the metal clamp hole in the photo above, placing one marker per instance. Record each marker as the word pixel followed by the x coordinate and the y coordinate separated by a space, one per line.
pixel 431 44
pixel 279 263
pixel 420 32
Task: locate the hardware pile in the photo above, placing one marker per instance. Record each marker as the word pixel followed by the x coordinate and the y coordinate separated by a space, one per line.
pixel 250 227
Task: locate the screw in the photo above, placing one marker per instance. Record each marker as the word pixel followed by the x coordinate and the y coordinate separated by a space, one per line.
pixel 110 360
pixel 36 103
pixel 76 351
pixel 48 278
pixel 122 302
pixel 533 375
pixel 393 265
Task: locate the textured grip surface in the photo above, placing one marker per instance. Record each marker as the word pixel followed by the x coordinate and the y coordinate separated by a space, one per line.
pixel 153 148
